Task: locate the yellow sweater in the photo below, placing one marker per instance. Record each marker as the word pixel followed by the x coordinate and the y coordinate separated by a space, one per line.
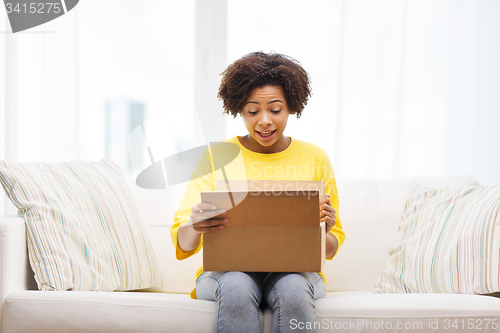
pixel 300 161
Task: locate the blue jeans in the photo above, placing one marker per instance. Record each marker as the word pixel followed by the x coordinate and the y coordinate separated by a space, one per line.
pixel 239 294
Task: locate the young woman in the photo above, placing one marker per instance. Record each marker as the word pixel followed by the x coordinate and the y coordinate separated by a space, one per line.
pixel 264 89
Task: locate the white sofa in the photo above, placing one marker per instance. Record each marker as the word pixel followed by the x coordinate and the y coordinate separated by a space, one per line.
pixel 369 210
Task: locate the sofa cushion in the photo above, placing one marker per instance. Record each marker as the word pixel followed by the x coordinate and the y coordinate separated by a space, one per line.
pixel 120 312
pixel 358 312
pixel 83 230
pixel 367 312
pixel 370 211
pixel 110 312
pixel 448 242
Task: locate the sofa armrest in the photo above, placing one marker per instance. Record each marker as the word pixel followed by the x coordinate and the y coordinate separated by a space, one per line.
pixel 13 256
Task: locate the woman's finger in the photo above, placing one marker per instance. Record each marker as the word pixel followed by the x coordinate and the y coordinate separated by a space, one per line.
pixel 206 215
pixel 206 230
pixel 210 222
pixel 202 206
pixel 330 221
pixel 209 225
pixel 324 213
pixel 326 200
pixel 326 207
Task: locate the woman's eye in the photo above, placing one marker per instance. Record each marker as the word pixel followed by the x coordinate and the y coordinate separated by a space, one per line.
pixel 252 112
pixel 275 111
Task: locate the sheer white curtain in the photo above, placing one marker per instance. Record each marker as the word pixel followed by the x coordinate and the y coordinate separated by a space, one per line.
pixel 72 86
pixel 418 89
pixel 39 111
pixel 400 87
pixel 3 104
pixel 307 31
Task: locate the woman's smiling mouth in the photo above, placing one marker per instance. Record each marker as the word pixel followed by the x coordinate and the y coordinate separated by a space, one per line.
pixel 267 135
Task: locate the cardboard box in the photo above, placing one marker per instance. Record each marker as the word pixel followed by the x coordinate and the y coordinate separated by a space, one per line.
pixel 273 227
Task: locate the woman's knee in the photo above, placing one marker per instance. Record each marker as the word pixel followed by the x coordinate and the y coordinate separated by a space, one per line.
pixel 241 287
pixel 292 289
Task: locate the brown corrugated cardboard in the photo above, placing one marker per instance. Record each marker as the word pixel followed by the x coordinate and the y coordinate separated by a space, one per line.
pixel 268 230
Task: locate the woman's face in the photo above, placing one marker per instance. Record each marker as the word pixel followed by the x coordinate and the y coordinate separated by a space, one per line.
pixel 265 115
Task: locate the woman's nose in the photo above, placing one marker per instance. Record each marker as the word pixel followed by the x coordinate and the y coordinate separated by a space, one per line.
pixel 265 119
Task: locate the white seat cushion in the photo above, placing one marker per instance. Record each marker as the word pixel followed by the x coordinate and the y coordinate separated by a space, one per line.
pixel 367 312
pixel 110 312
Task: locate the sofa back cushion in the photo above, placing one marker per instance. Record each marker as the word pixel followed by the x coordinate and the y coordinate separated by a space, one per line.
pixel 370 211
pixel 83 229
pixel 448 242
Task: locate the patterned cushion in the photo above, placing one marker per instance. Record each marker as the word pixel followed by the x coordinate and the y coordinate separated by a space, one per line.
pixel 448 242
pixel 83 229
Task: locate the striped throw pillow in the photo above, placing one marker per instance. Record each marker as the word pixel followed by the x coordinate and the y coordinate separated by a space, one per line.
pixel 448 242
pixel 83 229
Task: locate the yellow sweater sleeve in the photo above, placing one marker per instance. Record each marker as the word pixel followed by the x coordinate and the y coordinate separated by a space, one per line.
pixel 337 231
pixel 201 181
pixel 331 187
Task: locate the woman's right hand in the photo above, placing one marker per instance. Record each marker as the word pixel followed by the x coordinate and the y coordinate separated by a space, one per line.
pixel 205 218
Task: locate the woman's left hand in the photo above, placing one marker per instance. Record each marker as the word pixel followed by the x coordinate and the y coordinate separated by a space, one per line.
pixel 327 213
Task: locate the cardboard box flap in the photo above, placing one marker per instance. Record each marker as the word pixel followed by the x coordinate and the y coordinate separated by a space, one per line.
pixel 267 208
pixel 270 185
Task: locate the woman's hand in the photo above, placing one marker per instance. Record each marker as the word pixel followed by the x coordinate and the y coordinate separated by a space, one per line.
pixel 205 218
pixel 327 213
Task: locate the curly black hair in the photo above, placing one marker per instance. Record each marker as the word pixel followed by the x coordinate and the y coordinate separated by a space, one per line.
pixel 259 69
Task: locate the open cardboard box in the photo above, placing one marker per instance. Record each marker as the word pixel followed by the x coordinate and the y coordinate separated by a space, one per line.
pixel 273 227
